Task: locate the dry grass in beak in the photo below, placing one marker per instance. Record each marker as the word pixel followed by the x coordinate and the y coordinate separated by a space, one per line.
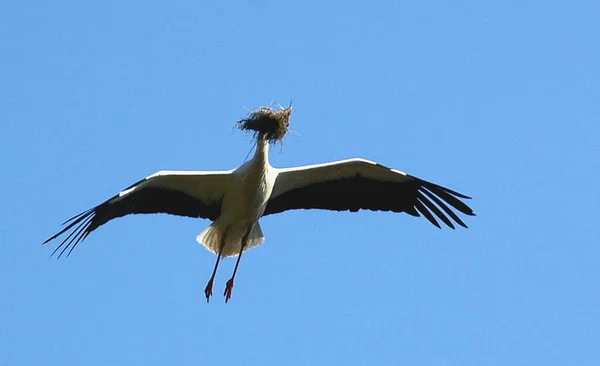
pixel 272 123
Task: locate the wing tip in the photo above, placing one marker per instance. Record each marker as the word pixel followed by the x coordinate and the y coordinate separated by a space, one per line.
pixel 443 196
pixel 81 226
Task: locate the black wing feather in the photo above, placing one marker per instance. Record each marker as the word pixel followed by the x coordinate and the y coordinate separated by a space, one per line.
pixel 435 209
pixel 425 212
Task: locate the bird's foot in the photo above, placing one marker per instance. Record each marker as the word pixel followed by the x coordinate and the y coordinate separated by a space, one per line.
pixel 208 289
pixel 228 289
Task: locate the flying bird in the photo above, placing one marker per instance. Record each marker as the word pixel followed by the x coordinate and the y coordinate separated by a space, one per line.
pixel 235 200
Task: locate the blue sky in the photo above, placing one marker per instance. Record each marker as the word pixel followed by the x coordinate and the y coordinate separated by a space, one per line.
pixel 498 100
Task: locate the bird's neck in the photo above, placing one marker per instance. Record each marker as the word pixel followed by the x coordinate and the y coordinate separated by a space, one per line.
pixel 262 150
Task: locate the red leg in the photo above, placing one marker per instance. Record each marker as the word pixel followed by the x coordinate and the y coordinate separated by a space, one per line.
pixel 229 285
pixel 209 285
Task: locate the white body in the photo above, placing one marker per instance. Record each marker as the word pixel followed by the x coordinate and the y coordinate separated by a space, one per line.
pixel 243 204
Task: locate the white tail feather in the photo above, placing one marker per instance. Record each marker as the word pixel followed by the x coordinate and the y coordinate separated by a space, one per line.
pixel 255 238
pixel 211 239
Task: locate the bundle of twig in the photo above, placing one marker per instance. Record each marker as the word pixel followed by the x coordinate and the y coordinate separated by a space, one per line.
pixel 268 121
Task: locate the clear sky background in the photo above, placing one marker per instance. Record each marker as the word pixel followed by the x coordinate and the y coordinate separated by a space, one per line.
pixel 499 101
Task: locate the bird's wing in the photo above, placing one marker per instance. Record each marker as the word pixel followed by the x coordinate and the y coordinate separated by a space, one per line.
pixel 356 184
pixel 182 193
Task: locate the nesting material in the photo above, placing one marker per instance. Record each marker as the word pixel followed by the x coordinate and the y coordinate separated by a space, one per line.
pixel 268 121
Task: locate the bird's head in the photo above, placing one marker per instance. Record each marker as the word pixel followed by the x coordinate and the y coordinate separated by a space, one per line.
pixel 269 122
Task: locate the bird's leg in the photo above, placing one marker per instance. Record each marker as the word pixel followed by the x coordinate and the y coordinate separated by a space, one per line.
pixel 209 285
pixel 229 285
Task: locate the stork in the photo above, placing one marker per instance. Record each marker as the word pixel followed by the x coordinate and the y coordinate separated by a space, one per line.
pixel 235 200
